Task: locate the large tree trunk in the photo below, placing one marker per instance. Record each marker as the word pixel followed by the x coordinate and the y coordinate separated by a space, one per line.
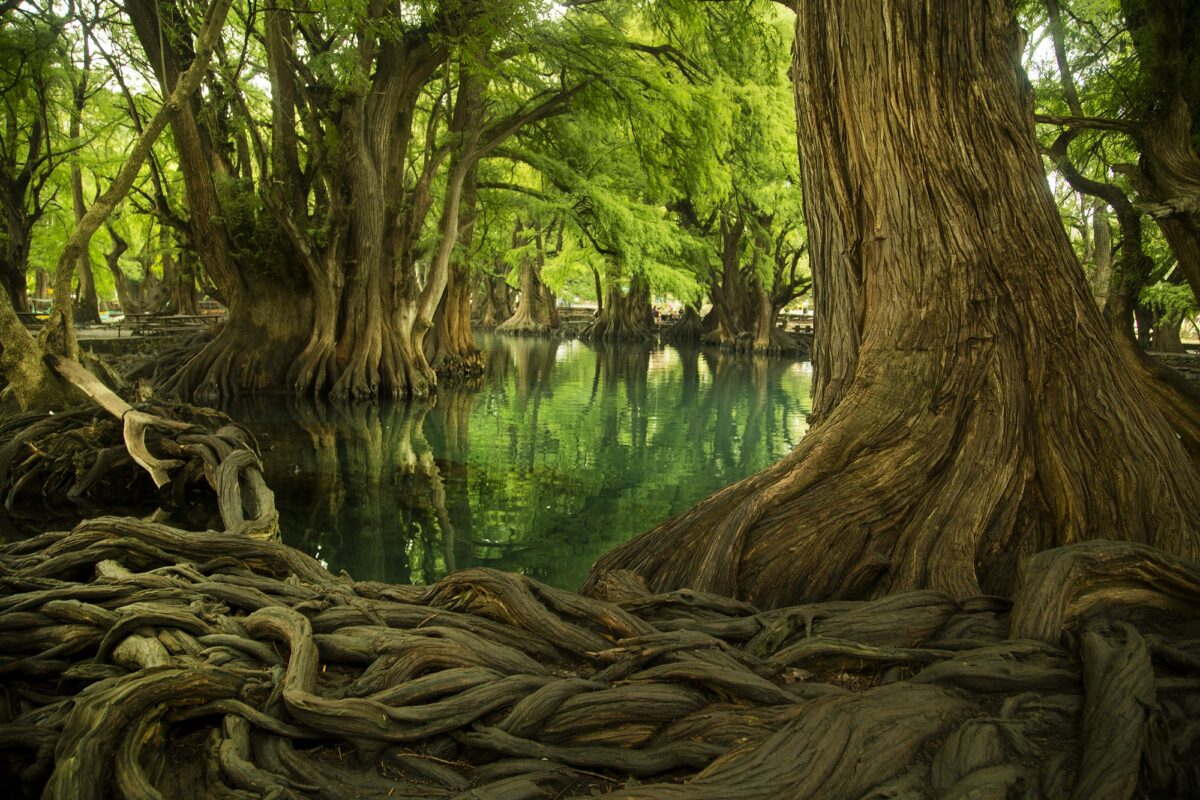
pixel 255 348
pixel 970 406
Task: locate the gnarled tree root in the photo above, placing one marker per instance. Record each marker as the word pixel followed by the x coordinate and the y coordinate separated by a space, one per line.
pixel 141 660
pixel 134 459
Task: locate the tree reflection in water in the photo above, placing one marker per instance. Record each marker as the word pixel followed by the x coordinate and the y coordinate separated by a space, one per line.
pixel 561 452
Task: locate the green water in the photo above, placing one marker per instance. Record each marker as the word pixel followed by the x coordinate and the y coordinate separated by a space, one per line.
pixel 564 452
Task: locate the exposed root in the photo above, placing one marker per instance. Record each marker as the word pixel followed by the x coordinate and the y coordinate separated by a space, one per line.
pixel 64 466
pixel 141 660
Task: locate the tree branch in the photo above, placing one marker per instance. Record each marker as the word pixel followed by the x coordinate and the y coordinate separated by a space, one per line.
pixel 1092 123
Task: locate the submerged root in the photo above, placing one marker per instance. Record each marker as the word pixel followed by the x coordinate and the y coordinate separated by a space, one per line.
pixel 141 660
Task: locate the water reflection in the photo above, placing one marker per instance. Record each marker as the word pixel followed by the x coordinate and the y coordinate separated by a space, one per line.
pixel 563 452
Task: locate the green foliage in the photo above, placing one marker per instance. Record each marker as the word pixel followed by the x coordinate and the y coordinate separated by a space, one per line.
pixel 1171 302
pixel 668 101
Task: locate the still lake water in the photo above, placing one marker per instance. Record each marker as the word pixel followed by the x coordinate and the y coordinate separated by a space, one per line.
pixel 562 453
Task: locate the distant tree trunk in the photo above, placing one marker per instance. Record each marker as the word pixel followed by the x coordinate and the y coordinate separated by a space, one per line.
pixel 744 311
pixel 549 301
pixel 535 313
pixel 970 407
pixel 179 277
pixel 624 315
pixel 732 303
pixel 1165 338
pixel 87 305
pixel 113 260
pixel 495 302
pixel 450 346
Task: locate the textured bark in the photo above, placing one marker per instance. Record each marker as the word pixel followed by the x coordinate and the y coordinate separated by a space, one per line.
pixel 14 262
pixel 33 386
pixel 970 408
pixel 1102 255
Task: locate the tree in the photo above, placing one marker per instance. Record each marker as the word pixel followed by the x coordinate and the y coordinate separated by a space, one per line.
pixel 31 50
pixel 1139 60
pixel 969 405
pixel 22 360
pixel 1105 153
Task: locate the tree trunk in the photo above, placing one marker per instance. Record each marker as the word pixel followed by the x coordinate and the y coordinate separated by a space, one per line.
pixel 179 278
pixel 535 313
pixel 1166 36
pixel 450 347
pixel 688 328
pixel 87 305
pixel 113 260
pixel 253 350
pixel 969 406
pixel 15 261
pixel 624 315
pixel 1165 338
pixel 599 289
pixel 494 303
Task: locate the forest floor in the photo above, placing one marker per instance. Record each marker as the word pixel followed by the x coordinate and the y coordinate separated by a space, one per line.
pixel 139 659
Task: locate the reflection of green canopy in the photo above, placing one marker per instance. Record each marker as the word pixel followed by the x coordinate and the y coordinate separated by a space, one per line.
pixel 563 453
